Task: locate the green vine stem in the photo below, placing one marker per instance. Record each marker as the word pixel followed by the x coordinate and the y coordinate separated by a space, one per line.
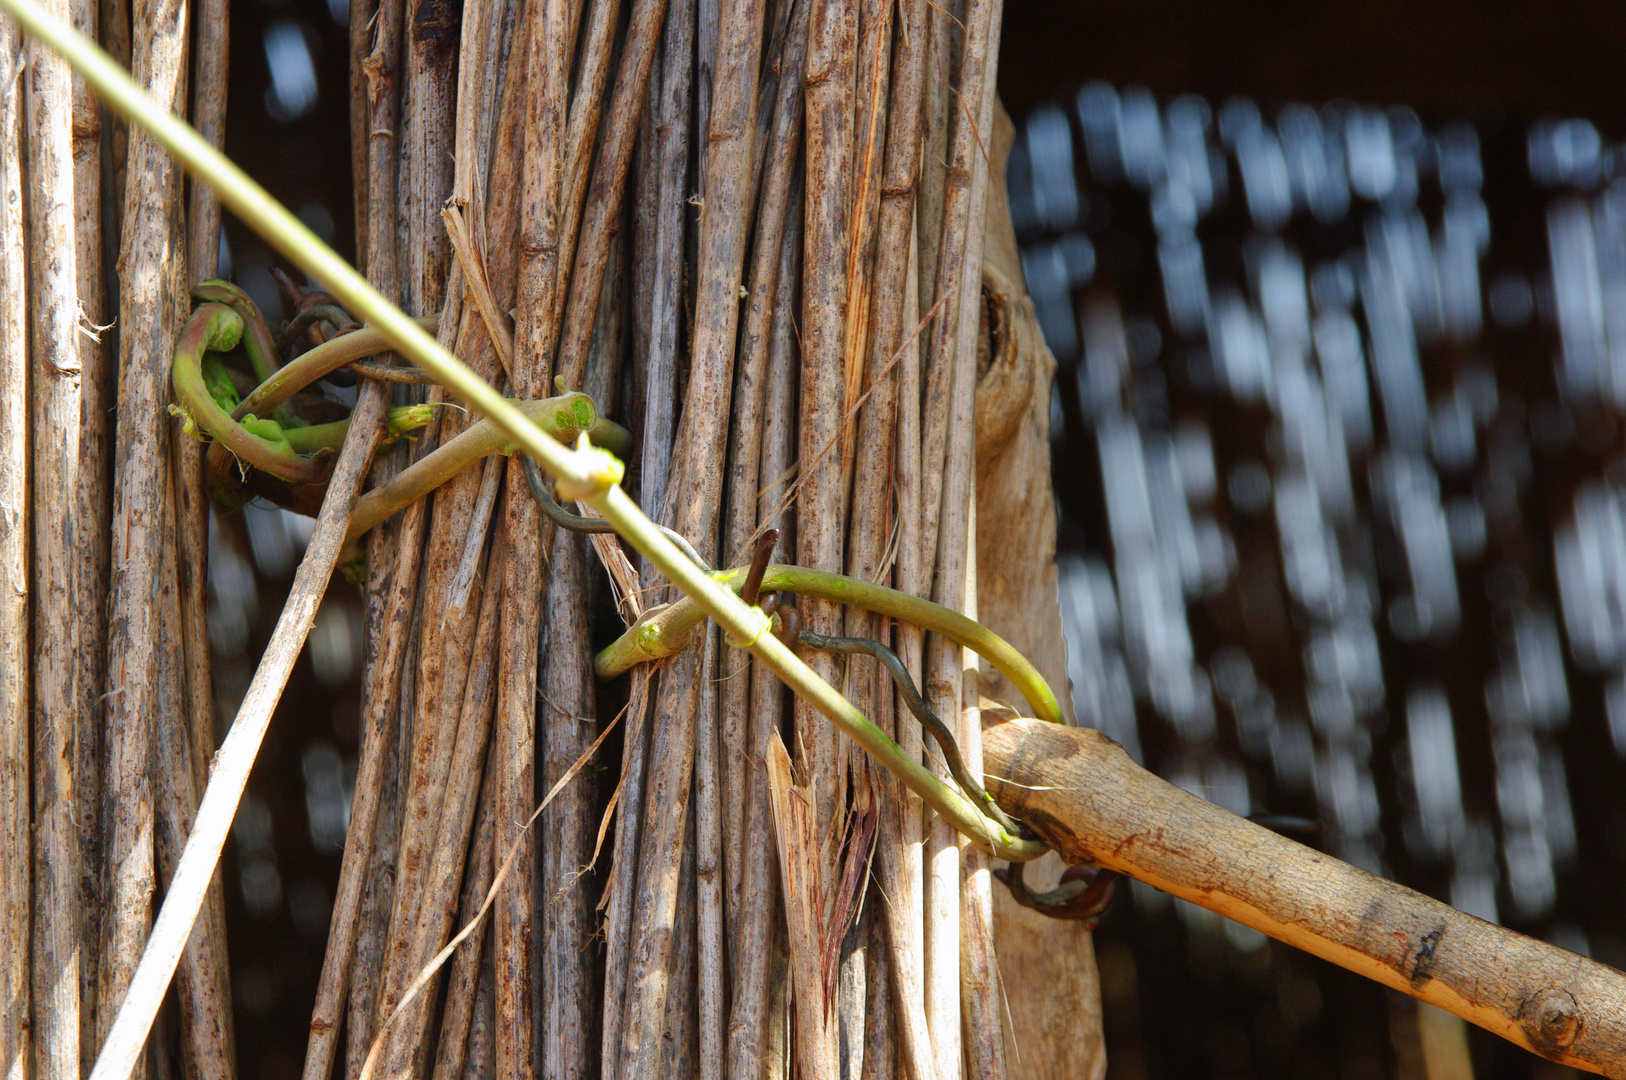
pixel 664 630
pixel 327 438
pixel 214 326
pixel 323 360
pixel 564 418
pixel 257 341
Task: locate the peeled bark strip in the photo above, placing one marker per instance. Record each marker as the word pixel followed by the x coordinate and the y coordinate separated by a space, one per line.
pixel 56 396
pixel 800 867
pixel 151 305
pixel 15 898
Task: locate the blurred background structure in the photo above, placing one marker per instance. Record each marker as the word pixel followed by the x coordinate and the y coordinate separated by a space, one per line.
pixel 1338 294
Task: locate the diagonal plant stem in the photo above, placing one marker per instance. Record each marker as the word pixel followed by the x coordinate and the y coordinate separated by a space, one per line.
pixel 584 474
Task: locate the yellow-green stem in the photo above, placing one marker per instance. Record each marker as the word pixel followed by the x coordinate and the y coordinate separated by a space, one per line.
pixel 664 630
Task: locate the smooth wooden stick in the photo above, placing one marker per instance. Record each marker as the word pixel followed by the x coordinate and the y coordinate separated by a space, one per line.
pixel 1084 796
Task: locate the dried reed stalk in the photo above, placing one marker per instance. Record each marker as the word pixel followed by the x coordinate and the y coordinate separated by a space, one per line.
pixel 873 72
pixel 366 891
pixel 513 930
pixel 568 1044
pixel 383 67
pixel 380 711
pixel 665 313
pixel 887 464
pixel 754 955
pixel 901 864
pixel 92 492
pixel 679 1055
pixel 378 871
pixel 609 177
pixel 15 893
pixel 151 310
pixel 55 363
pixel 881 1048
pixel 618 899
pixel 585 106
pixel 429 921
pixel 728 200
pixel 469 976
pixel 646 193
pixel 209 59
pixel 650 979
pixel 360 39
pixel 428 108
pixel 202 985
pixel 205 983
pixel 831 55
pixel 634 1020
pixel 960 269
pixel 744 459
